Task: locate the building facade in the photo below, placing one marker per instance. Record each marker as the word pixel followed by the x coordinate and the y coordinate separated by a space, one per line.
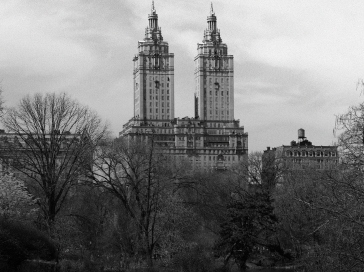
pixel 153 75
pixel 212 138
pixel 214 76
pixel 300 155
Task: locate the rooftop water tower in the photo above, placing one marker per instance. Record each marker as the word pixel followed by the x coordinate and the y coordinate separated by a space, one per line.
pixel 301 135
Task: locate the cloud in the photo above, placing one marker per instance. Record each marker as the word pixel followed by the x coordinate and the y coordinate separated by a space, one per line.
pixel 296 62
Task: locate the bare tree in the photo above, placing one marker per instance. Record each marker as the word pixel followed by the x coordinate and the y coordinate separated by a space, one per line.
pixel 143 179
pixel 50 139
pixel 350 129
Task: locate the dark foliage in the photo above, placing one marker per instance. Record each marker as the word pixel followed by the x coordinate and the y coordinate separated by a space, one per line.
pixel 249 227
pixel 194 260
pixel 19 242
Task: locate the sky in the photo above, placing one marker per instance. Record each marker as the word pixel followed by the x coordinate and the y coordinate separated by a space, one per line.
pixel 296 63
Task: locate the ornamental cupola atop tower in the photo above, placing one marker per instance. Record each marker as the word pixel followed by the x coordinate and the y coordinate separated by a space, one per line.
pixel 212 34
pixel 153 32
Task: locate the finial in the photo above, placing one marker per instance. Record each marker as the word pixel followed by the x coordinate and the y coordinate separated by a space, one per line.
pixel 212 10
pixel 153 9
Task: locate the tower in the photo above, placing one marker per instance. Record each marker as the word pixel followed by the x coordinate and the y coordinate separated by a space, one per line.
pixel 212 139
pixel 214 76
pixel 153 75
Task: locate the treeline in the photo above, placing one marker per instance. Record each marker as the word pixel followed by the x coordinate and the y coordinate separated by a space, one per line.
pixel 74 196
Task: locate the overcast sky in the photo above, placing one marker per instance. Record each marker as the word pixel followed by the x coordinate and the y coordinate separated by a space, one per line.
pixel 296 62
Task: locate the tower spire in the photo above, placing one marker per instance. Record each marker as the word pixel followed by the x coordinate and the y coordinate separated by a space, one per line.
pixel 153 31
pixel 153 8
pixel 211 20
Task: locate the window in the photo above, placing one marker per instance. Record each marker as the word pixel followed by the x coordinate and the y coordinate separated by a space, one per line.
pixel 150 104
pixel 167 110
pixel 222 93
pixel 162 104
pixel 156 110
pixel 162 110
pixel 168 97
pixel 162 97
pixel 167 91
pixel 162 90
pixel 156 104
pixel 150 97
pixel 150 110
pixel 167 104
pixel 167 84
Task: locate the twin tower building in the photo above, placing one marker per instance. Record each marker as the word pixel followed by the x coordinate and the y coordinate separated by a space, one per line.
pixel 212 138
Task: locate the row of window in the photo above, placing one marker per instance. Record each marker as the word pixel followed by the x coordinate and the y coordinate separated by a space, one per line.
pixel 156 104
pixel 156 111
pixel 157 117
pixel 222 112
pixel 156 91
pixel 314 161
pixel 310 154
pixel 157 84
pixel 222 101
pixel 162 78
pixel 156 97
pixel 217 80
pixel 217 93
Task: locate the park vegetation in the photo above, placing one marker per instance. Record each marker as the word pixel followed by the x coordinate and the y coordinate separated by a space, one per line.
pixel 76 199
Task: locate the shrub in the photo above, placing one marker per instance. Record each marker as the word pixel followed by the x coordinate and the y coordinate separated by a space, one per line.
pixel 38 266
pixel 68 265
pixel 19 242
pixel 194 260
pixel 71 266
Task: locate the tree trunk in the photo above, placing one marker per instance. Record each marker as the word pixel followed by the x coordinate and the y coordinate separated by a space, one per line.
pixel 149 259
